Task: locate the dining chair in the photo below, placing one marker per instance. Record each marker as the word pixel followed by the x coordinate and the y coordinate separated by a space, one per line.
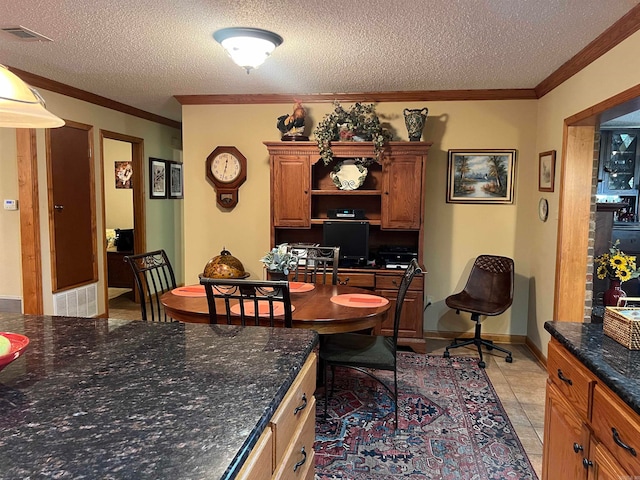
pixel 153 276
pixel 488 292
pixel 317 264
pixel 255 302
pixel 369 352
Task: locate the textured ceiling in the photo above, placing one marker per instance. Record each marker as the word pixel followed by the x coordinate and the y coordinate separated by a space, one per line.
pixel 143 52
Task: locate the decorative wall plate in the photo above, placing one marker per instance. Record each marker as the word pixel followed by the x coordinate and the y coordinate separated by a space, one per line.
pixel 543 209
pixel 348 175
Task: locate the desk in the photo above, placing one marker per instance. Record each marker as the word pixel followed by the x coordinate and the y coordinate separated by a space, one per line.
pixel 313 310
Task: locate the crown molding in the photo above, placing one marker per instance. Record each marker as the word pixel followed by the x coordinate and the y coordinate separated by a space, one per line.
pixel 51 85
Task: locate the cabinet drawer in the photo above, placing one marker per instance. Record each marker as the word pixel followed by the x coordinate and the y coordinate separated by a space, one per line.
pixel 301 451
pixel 365 280
pixel 294 407
pixel 573 380
pixel 611 413
pixel 259 464
pixel 391 282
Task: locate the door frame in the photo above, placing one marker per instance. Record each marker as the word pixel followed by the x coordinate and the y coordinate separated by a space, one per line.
pixel 575 201
pixel 139 217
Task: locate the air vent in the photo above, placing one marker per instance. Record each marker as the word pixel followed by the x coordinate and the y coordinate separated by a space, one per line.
pixel 25 34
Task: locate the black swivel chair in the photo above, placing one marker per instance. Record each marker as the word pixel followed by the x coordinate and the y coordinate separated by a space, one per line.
pixel 489 292
pixel 262 302
pixel 317 264
pixel 360 351
pixel 154 276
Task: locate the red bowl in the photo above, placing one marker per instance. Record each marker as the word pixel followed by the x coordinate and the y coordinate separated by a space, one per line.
pixel 18 346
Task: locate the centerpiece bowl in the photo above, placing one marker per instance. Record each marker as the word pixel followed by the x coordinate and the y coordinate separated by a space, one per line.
pixel 18 346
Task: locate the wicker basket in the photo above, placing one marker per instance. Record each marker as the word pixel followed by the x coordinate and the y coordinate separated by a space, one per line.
pixel 623 325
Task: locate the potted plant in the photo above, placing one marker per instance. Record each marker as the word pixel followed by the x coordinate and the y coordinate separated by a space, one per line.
pixel 280 261
pixel 618 267
pixel 359 123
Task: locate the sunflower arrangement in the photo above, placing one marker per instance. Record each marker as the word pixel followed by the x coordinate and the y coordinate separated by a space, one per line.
pixel 616 265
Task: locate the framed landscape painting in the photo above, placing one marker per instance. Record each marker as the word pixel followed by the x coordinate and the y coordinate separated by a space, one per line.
pixel 480 176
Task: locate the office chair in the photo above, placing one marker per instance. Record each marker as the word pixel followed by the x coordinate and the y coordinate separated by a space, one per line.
pixel 360 351
pixel 262 302
pixel 317 264
pixel 154 276
pixel 489 292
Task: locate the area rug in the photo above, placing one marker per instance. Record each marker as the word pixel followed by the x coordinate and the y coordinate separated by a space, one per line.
pixel 452 426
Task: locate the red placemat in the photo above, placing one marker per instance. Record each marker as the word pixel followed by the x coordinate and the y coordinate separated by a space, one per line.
pixel 359 300
pixel 263 308
pixel 190 291
pixel 299 287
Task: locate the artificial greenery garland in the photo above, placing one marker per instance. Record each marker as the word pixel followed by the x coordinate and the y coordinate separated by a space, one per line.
pixel 360 122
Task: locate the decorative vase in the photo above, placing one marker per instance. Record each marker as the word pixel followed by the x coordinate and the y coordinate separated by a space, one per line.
pixel 414 120
pixel 613 293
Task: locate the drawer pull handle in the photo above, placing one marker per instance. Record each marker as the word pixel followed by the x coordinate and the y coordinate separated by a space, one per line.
pixel 343 282
pixel 301 462
pixel 620 443
pixel 577 448
pixel 563 378
pixel 303 406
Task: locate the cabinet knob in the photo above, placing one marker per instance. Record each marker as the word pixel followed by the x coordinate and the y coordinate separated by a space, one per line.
pixel 577 448
pixel 586 463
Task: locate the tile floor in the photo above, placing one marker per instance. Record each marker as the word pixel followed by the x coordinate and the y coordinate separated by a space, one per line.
pixel 520 385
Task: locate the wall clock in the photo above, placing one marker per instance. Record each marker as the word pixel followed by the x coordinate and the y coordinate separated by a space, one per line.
pixel 227 170
pixel 543 209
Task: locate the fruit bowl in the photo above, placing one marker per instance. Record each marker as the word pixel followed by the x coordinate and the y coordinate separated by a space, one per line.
pixel 18 346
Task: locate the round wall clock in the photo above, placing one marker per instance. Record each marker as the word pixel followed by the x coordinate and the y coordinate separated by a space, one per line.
pixel 227 170
pixel 543 209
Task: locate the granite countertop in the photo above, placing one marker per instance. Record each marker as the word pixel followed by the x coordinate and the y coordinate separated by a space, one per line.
pixel 617 366
pixel 103 398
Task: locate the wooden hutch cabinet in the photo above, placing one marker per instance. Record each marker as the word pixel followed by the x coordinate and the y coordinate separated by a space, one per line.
pixel 392 198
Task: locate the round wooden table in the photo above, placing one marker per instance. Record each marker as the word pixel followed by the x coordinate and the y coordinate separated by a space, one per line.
pixel 313 309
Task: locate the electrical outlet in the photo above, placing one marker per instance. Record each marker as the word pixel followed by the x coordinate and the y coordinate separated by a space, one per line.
pixel 429 299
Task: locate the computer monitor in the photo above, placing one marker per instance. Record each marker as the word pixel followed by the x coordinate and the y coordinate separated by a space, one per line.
pixel 351 237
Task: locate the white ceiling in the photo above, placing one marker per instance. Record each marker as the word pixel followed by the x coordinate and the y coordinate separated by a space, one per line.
pixel 142 52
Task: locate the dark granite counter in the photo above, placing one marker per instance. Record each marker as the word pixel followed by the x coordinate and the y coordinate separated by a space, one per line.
pixel 115 399
pixel 617 366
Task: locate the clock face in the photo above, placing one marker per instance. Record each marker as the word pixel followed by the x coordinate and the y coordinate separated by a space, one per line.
pixel 225 167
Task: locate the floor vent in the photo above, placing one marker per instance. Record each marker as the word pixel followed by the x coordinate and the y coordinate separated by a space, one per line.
pixel 79 302
pixel 25 34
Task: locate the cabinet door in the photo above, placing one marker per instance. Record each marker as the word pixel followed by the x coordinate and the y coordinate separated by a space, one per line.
pixel 401 192
pixel 565 439
pixel 411 318
pixel 603 466
pixel 618 162
pixel 291 177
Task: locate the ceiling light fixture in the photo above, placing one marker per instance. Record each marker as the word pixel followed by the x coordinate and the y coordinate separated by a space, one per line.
pixel 21 106
pixel 248 47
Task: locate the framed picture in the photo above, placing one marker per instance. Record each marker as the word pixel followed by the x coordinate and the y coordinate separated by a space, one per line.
pixel 480 176
pixel 124 172
pixel 157 178
pixel 175 180
pixel 547 171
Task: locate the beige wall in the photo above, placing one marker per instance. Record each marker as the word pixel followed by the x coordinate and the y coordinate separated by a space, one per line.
pixel 118 201
pixel 454 233
pixel 163 217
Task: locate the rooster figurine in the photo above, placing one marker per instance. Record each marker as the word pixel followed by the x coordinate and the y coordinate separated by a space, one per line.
pixel 292 126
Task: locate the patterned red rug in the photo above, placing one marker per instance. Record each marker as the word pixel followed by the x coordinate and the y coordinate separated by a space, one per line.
pixel 452 426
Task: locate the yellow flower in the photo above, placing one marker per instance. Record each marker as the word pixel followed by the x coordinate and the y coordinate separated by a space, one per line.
pixel 618 261
pixel 623 274
pixel 602 272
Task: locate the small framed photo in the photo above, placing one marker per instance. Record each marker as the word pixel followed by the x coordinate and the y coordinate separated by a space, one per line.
pixel 481 176
pixel 547 171
pixel 157 178
pixel 175 180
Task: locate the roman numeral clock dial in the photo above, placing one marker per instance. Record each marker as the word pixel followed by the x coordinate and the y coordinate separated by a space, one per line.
pixel 226 170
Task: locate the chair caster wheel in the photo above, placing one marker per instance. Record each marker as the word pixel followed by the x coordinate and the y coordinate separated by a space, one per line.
pixel 509 359
pixel 446 354
pixel 481 364
pixel 489 347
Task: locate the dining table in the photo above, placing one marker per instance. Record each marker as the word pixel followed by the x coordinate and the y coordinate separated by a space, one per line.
pixel 324 308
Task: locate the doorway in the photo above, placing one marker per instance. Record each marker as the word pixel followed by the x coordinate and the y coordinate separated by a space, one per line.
pixel 123 209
